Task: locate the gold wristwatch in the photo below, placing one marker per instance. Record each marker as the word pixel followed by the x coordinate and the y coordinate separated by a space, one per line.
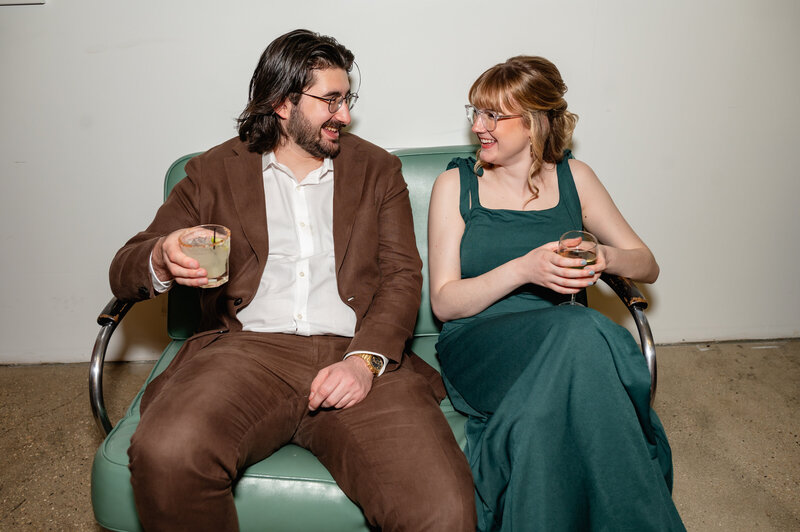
pixel 374 362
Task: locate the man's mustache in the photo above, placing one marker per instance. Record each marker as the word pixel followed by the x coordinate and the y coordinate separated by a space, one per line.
pixel 334 124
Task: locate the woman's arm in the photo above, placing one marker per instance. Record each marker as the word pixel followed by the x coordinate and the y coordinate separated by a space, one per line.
pixel 625 253
pixel 453 297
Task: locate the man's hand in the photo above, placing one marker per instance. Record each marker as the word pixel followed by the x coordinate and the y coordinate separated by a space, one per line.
pixel 171 263
pixel 340 385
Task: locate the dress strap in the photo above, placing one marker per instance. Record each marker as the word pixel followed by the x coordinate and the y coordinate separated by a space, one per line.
pixel 469 184
pixel 568 192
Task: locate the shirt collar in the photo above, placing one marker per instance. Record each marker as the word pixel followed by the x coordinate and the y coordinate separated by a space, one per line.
pixel 313 178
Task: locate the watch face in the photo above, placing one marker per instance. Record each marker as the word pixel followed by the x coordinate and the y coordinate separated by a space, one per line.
pixel 374 362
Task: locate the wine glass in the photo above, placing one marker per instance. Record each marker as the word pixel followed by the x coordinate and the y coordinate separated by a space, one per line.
pixel 578 245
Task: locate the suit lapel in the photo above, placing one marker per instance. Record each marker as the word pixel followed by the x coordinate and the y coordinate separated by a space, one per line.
pixel 349 172
pixel 246 180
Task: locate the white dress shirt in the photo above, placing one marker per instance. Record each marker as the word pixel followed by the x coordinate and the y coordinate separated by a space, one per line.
pixel 298 293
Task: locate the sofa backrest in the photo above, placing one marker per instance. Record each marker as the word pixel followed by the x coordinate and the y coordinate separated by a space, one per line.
pixel 420 168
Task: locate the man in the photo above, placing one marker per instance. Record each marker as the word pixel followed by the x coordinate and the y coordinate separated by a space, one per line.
pixel 305 343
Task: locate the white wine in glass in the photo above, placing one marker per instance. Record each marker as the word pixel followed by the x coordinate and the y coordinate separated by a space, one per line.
pixel 578 245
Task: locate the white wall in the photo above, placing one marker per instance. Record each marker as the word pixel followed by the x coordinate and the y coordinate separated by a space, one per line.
pixel 689 113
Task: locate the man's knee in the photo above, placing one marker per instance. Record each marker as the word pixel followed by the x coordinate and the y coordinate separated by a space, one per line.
pixel 174 458
pixel 441 494
pixel 441 505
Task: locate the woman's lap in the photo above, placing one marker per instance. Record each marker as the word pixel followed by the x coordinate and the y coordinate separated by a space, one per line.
pixel 484 359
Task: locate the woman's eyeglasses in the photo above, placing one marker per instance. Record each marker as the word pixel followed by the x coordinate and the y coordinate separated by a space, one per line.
pixel 488 118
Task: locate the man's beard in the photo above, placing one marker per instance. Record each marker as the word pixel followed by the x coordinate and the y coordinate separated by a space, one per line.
pixel 303 133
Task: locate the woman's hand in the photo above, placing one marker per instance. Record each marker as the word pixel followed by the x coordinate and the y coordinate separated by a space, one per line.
pixel 543 266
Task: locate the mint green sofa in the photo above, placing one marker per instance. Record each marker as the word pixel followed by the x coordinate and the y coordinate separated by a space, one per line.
pixel 290 490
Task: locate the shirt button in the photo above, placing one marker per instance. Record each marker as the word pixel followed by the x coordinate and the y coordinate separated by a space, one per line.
pixel 302 274
pixel 299 316
pixel 302 224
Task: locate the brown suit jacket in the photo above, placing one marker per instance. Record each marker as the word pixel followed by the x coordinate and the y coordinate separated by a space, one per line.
pixel 378 268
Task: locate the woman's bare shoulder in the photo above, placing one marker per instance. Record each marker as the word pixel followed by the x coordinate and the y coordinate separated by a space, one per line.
pixel 586 181
pixel 581 170
pixel 447 180
pixel 448 175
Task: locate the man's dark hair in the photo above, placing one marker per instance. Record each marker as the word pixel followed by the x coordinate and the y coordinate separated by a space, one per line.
pixel 286 68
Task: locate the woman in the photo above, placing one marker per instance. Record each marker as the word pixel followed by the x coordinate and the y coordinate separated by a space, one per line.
pixel 560 434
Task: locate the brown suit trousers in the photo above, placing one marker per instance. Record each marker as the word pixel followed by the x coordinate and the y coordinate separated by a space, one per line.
pixel 245 395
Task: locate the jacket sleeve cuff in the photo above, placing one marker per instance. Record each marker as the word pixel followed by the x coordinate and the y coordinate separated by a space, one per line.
pixel 158 285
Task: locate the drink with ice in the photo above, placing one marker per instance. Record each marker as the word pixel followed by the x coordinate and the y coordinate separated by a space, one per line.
pixel 210 246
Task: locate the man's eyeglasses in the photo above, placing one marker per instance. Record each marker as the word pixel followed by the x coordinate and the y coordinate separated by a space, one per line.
pixel 488 118
pixel 335 103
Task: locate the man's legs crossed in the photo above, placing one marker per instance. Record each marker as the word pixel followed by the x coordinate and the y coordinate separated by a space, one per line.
pixel 232 404
pixel 396 456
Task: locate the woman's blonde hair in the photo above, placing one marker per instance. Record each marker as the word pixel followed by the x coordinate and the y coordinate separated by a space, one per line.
pixel 530 86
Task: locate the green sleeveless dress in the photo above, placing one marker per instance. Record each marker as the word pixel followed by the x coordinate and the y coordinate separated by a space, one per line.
pixel 560 434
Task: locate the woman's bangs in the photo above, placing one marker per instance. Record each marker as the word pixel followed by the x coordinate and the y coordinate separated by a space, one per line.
pixel 491 93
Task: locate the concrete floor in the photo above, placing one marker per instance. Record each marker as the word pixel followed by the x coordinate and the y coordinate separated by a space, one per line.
pixel 730 410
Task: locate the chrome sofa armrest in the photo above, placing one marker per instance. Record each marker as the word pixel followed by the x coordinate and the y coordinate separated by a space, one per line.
pixel 630 295
pixel 108 320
